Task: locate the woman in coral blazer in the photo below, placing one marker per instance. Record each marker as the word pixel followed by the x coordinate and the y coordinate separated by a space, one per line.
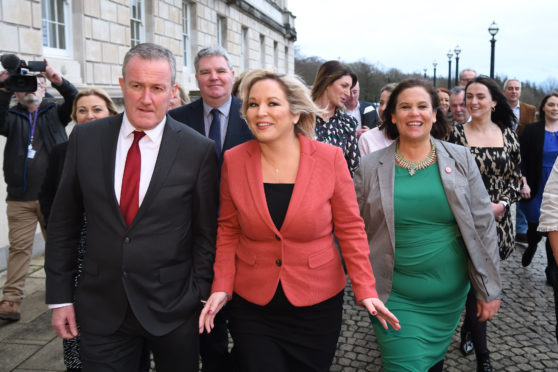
pixel 282 195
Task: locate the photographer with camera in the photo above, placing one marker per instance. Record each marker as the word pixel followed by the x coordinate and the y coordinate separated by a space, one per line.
pixel 32 128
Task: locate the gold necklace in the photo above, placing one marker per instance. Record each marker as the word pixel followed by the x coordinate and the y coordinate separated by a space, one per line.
pixel 413 166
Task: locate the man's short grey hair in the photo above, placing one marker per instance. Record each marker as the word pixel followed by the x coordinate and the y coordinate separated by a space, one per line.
pixel 457 90
pixel 151 51
pixel 212 51
pixel 466 69
pixel 508 81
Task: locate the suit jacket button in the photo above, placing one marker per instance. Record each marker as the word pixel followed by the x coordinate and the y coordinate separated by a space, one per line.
pixel 277 237
pixel 126 240
pixel 278 262
pixel 125 275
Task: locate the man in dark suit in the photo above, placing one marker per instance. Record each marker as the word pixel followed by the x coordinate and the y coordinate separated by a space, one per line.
pixel 215 115
pixel 215 79
pixel 364 112
pixel 148 186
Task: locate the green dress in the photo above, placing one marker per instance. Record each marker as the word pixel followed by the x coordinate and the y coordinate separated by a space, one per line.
pixel 430 281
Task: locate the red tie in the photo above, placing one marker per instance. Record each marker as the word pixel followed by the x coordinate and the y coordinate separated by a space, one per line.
pixel 129 195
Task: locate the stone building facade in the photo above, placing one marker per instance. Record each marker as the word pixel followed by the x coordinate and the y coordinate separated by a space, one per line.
pixel 86 40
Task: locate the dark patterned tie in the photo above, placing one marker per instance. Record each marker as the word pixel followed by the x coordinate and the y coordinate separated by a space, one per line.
pixel 215 131
pixel 129 195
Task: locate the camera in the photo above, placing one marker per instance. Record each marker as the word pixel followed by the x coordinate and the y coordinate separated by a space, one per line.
pixel 20 79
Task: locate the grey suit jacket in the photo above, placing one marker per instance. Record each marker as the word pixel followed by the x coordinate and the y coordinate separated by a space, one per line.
pixel 468 200
pixel 161 265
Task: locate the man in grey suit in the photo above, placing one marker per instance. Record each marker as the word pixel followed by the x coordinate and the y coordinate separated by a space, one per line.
pixel 215 115
pixel 148 187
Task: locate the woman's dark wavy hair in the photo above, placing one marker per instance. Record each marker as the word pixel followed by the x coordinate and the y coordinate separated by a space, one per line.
pixel 502 115
pixel 440 129
pixel 543 102
pixel 329 72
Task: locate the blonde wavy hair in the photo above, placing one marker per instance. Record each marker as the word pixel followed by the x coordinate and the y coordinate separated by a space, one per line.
pixel 297 94
pixel 94 92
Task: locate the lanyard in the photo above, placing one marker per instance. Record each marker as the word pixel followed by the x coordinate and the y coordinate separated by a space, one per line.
pixel 33 122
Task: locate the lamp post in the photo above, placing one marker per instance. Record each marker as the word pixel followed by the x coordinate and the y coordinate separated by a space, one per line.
pixel 492 30
pixel 434 79
pixel 457 50
pixel 450 54
pixel 424 69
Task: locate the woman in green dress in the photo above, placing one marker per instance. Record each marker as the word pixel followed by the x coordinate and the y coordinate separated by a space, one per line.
pixel 431 229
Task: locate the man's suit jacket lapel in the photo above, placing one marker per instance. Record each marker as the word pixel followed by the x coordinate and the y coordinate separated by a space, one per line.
pixel 386 180
pixel 165 160
pixel 197 121
pixel 109 161
pixel 234 125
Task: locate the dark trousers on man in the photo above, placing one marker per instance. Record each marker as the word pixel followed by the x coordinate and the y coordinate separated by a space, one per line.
pixel 123 350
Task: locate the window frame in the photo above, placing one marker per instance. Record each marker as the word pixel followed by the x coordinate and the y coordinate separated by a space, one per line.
pixel 49 51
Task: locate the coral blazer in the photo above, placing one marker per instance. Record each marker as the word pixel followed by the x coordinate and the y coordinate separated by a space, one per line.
pixel 253 256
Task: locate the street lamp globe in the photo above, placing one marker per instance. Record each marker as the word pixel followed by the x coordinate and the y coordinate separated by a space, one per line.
pixel 493 29
pixel 457 50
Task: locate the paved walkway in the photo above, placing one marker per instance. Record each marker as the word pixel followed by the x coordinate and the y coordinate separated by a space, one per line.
pixel 521 337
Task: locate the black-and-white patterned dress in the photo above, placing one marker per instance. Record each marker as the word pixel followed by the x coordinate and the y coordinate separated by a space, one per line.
pixel 340 130
pixel 501 173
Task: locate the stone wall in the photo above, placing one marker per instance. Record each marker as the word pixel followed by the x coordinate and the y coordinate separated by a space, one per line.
pixel 100 37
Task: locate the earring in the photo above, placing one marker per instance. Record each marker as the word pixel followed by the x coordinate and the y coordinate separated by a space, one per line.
pixel 493 108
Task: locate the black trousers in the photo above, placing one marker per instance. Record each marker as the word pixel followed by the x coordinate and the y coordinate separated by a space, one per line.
pixel 123 351
pixel 477 328
pixel 280 337
pixel 214 347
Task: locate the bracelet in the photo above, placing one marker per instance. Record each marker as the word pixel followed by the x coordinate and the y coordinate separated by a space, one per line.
pixel 504 203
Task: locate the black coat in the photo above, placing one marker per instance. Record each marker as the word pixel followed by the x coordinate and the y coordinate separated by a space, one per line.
pixel 531 141
pixel 14 125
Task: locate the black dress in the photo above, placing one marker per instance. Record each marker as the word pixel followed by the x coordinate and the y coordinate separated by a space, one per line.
pixel 280 337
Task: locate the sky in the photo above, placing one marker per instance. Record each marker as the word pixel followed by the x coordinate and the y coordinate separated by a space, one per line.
pixel 410 35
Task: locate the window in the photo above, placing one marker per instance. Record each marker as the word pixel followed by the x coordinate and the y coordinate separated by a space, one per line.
pixel 244 49
pixel 186 33
pixel 136 22
pixel 221 31
pixel 275 55
pixel 262 51
pixel 57 26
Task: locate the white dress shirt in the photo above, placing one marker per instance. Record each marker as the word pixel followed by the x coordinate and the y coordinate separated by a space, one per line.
pixel 149 148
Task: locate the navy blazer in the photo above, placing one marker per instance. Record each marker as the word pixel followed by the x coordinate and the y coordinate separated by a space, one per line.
pixel 237 129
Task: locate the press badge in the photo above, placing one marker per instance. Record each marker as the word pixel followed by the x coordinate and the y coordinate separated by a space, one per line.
pixel 30 152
